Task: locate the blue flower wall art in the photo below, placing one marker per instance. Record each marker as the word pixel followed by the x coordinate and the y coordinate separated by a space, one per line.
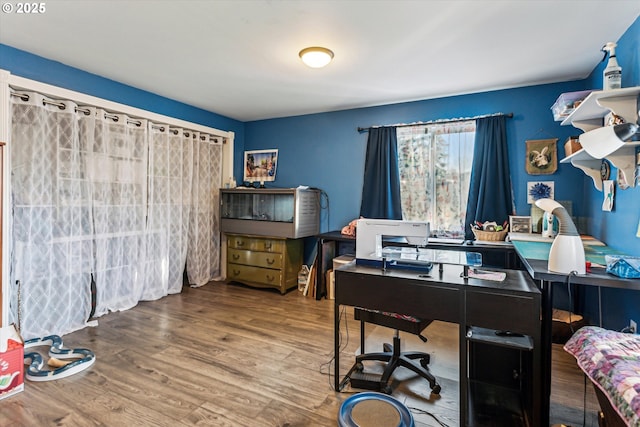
pixel 539 190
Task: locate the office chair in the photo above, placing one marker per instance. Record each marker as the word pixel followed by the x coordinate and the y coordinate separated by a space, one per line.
pixel 391 354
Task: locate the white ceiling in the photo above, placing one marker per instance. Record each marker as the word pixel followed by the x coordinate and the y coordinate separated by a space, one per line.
pixel 239 58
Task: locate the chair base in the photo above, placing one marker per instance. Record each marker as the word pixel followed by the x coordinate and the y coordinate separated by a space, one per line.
pixel 394 358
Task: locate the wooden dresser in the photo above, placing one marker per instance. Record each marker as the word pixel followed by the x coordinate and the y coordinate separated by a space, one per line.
pixel 263 261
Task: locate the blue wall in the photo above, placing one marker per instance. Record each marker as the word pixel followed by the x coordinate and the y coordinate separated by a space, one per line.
pixel 326 151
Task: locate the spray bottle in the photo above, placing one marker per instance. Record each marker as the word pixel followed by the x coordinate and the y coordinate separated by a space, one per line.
pixel 612 75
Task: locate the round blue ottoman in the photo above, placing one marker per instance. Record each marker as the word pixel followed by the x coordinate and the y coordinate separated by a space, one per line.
pixel 372 409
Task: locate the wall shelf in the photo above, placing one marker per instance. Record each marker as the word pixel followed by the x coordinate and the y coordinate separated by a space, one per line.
pixel 589 115
pixel 622 159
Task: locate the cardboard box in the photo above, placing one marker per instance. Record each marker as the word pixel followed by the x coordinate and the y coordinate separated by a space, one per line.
pixel 342 260
pixel 337 262
pixel 571 146
pixel 11 362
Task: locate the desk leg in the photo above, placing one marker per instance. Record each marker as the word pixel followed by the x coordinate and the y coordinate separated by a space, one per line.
pixel 463 360
pixel 320 289
pixel 546 289
pixel 324 247
pixel 537 380
pixel 336 345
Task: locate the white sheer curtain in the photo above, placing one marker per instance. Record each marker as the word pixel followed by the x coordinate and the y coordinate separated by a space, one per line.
pixel 117 155
pixel 108 200
pixel 203 259
pixel 52 256
pixel 170 177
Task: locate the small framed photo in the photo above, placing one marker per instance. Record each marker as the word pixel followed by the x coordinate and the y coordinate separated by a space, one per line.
pixel 520 224
pixel 260 165
pixel 539 190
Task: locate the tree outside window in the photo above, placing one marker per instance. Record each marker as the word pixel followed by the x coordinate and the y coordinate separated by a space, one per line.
pixel 435 170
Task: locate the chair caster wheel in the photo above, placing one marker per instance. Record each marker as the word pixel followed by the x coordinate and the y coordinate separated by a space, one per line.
pixel 436 389
pixel 386 389
pixel 359 367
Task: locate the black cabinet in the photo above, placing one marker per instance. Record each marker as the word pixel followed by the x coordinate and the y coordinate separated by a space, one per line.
pixel 503 350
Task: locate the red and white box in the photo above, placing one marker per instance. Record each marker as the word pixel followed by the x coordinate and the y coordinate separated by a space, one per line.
pixel 11 362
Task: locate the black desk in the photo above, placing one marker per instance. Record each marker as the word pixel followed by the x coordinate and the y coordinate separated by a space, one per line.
pixel 513 305
pixel 537 269
pixel 334 243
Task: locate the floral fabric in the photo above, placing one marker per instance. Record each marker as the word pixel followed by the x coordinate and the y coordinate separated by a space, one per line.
pixel 612 361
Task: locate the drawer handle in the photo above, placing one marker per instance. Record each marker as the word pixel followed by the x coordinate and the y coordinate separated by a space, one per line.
pixel 235 257
pixel 270 261
pixel 267 245
pixel 239 243
pixel 270 278
pixel 236 272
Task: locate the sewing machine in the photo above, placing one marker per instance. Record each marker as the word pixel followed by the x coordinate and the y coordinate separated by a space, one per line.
pixel 372 232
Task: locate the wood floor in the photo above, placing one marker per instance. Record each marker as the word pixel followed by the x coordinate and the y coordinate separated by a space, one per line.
pixel 230 355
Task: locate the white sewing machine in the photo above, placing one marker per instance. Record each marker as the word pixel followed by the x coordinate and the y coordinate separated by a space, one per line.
pixel 370 234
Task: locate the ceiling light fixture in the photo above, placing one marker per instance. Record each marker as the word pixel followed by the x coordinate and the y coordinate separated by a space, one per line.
pixel 316 57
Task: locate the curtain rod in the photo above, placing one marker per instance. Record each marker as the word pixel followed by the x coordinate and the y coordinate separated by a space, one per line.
pixel 437 122
pixel 114 117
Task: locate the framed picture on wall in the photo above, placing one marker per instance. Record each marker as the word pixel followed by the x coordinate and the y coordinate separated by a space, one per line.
pixel 520 224
pixel 542 156
pixel 540 190
pixel 260 165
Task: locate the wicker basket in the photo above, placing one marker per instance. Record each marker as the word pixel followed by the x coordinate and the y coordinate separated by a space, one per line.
pixel 491 236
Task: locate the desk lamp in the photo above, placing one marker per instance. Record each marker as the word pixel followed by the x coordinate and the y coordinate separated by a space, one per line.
pixel 567 253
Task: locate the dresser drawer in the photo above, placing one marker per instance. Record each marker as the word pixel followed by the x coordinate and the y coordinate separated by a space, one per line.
pixel 249 273
pixel 255 244
pixel 258 259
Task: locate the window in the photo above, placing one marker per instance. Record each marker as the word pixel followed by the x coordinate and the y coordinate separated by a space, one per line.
pixel 435 170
